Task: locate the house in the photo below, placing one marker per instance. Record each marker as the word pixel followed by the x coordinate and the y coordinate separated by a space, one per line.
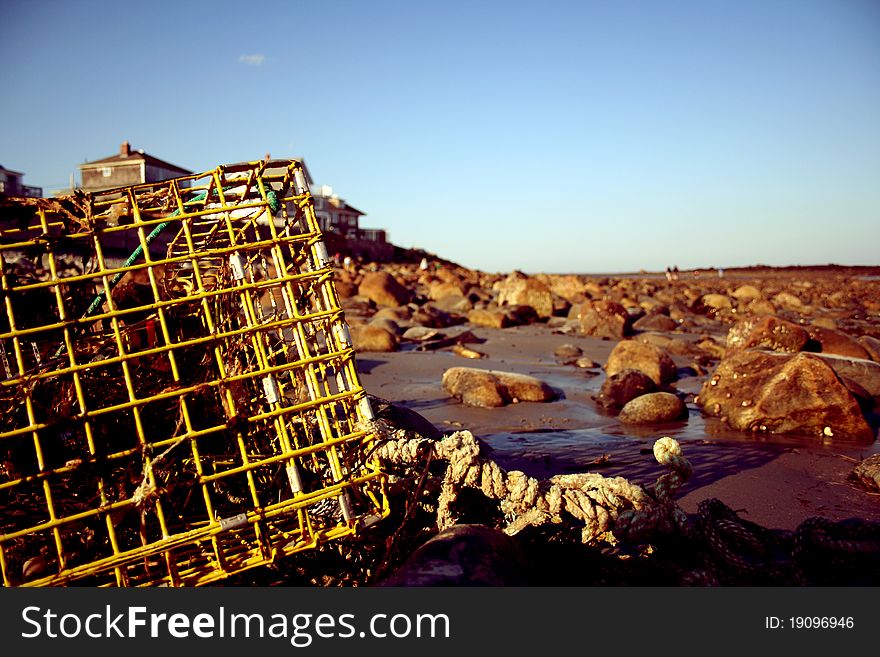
pixel 335 215
pixel 11 185
pixel 128 167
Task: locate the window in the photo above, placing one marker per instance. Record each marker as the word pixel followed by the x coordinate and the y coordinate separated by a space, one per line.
pixel 106 171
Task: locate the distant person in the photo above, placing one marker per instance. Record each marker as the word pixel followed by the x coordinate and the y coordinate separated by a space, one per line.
pixel 720 273
pixel 423 265
pixel 668 274
pixel 347 263
pixel 675 273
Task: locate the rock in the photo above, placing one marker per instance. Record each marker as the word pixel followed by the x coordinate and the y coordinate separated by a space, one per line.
pixel 647 358
pixel 716 302
pixel 490 389
pixel 668 343
pixel 464 555
pixel 710 347
pixel 367 337
pixel 383 289
pixel 489 318
pixel 623 387
pixel 867 473
pixel 825 322
pixel 760 307
pixel 388 324
pixel 654 407
pixel 603 319
pixel 783 393
pixel 454 303
pixel 837 342
pixel 655 322
pixel 872 346
pixel 585 363
pixel 866 373
pixel 770 333
pixel 465 352
pixel 421 333
pixel 520 290
pixel 746 293
pixel 438 290
pixel 566 354
pixel 399 314
pixel 431 316
pixel 400 417
pixel 788 301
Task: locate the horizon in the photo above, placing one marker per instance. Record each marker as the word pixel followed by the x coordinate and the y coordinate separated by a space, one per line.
pixel 582 137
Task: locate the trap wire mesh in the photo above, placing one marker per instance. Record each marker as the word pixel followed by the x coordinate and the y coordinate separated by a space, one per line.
pixel 179 400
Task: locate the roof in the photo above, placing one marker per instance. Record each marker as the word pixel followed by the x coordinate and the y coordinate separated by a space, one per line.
pixel 17 173
pixel 134 156
pixel 353 209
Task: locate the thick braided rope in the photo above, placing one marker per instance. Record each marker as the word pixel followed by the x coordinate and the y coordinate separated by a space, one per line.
pixel 604 505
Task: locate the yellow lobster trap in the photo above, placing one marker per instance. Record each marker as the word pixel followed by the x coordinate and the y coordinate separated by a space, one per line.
pixel 178 394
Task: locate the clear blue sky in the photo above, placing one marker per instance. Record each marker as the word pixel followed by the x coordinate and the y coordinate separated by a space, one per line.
pixel 541 136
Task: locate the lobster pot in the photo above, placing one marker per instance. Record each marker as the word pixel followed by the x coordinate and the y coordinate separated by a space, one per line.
pixel 178 393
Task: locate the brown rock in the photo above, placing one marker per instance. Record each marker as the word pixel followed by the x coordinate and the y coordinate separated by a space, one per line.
pixel 760 307
pixel 746 293
pixel 782 393
pixel 837 342
pixel 489 318
pixel 489 388
pixel 716 302
pixel 369 337
pixel 655 322
pixel 788 301
pixel 867 473
pixel 521 290
pixel 623 387
pixel 384 289
pixel 603 319
pixel 647 358
pixel 770 333
pixel 872 346
pixel 865 373
pixel 654 407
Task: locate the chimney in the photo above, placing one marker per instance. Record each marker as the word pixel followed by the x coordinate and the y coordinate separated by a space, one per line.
pixel 125 149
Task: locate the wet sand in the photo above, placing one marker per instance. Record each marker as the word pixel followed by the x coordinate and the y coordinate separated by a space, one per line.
pixel 775 481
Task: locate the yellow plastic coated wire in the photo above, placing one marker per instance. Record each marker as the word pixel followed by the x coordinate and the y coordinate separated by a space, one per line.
pixel 176 405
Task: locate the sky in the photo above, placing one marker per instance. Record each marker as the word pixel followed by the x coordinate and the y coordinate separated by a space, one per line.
pixel 550 136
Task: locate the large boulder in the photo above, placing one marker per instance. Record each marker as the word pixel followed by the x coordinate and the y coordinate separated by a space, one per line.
pixel 783 393
pixel 653 408
pixel 746 293
pixel 647 358
pixel 490 388
pixel 603 319
pixel 766 332
pixel 494 318
pixel 865 373
pixel 521 290
pixel 383 289
pixel 623 387
pixel 655 322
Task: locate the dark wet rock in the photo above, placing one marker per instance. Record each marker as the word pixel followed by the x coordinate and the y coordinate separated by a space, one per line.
pixel 782 393
pixel 867 473
pixel 647 358
pixel 623 387
pixel 872 346
pixel 394 417
pixel 603 319
pixel 770 333
pixel 837 342
pixel 385 290
pixel 653 408
pixel 655 322
pixel 464 555
pixel 521 290
pixel 490 388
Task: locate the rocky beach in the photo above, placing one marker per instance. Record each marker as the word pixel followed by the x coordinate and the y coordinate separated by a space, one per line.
pixel 767 378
